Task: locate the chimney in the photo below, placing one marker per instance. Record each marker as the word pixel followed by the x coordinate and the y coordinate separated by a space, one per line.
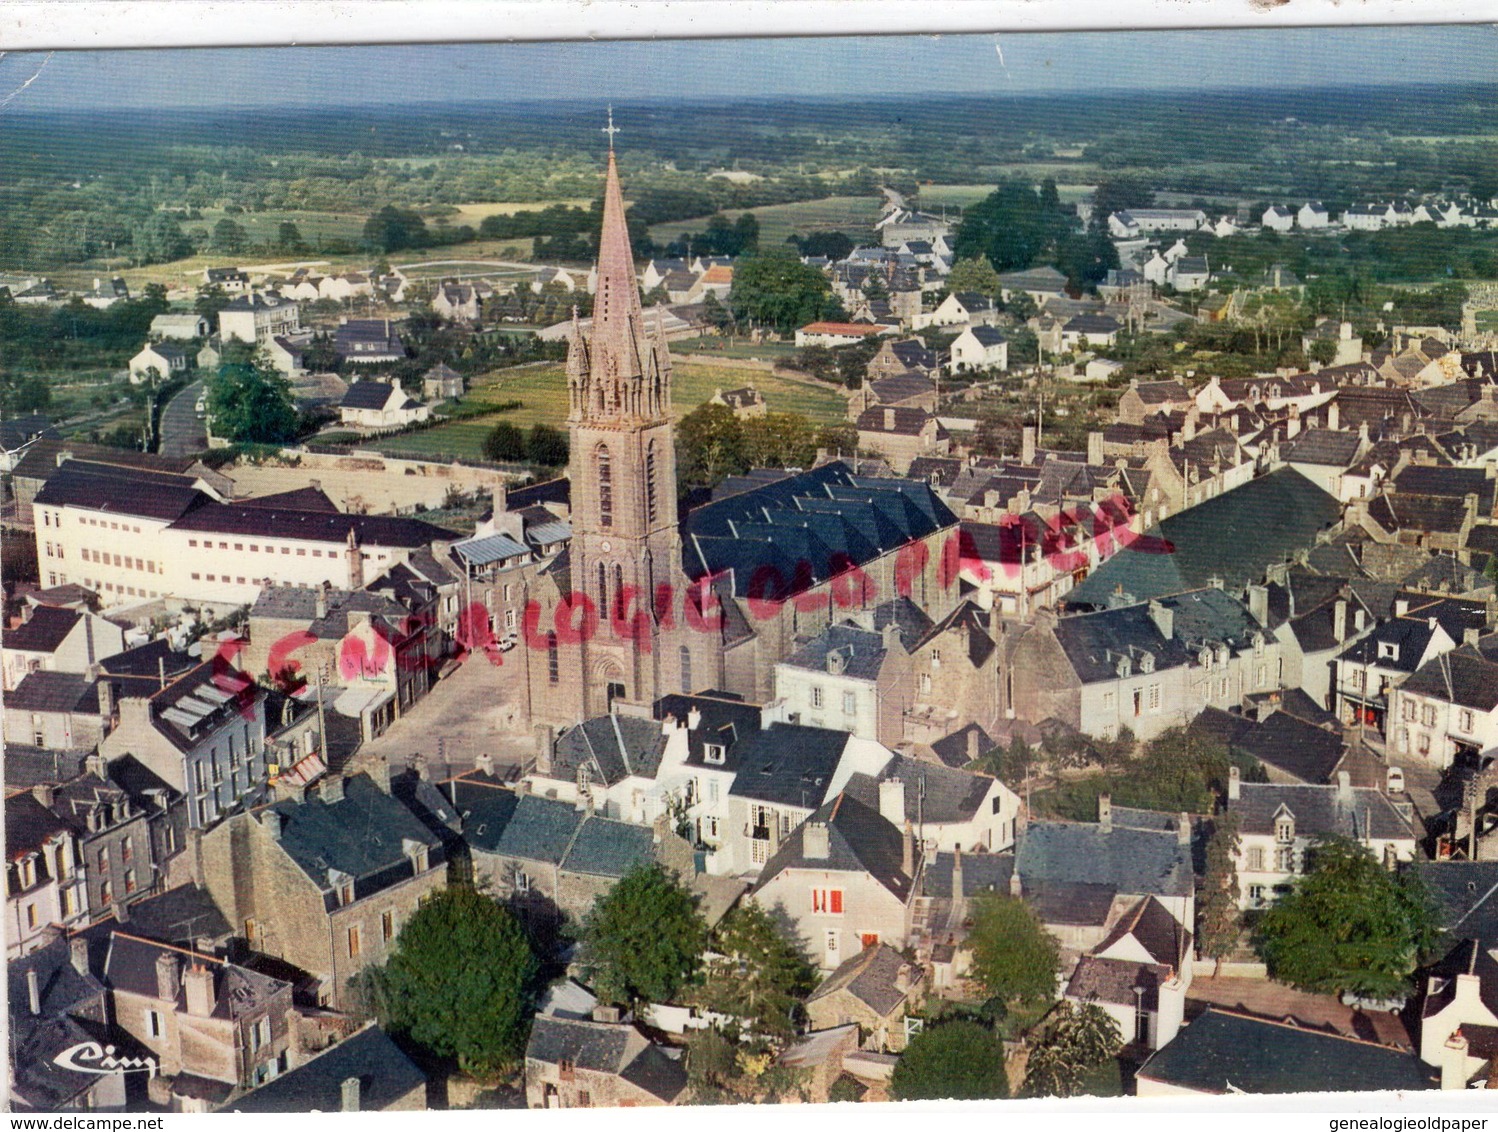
pixel 484 763
pixel 1359 619
pixel 271 821
pixel 417 762
pixel 1235 783
pixel 168 972
pixel 815 842
pixel 349 1094
pixel 1333 416
pixel 1454 1061
pixel 1344 787
pixel 1016 888
pixel 332 789
pixel 1105 812
pixel 889 420
pixel 1471 635
pixel 1164 618
pixel 694 719
pixel 907 851
pixel 106 703
pixel 1027 445
pixel 378 769
pixel 78 954
pixel 973 745
pixel 1183 829
pixel 1095 448
pixel 1401 606
pixel 604 1012
pixel 957 891
pixel 1339 620
pixel 892 800
pixel 1258 604
pixel 199 983
pixel 33 990
pixel 320 602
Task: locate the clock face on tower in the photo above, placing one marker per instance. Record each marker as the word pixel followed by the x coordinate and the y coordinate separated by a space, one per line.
pixel 605 546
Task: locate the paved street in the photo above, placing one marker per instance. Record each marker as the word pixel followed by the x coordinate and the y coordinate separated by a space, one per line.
pixel 183 432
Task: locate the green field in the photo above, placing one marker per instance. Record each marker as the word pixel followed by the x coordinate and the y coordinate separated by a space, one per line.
pixel 543 392
pixel 853 215
pixel 264 227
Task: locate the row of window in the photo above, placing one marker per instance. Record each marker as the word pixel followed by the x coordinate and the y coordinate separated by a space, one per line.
pixel 90 521
pixel 850 699
pixel 124 561
pixel 354 937
pixel 1466 719
pixel 109 587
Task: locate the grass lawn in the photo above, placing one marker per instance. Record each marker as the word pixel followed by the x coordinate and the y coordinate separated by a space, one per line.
pixel 543 392
pixel 473 213
pixel 854 215
pixel 264 227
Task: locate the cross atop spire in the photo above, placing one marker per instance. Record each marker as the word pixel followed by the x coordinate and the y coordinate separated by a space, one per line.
pixel 610 129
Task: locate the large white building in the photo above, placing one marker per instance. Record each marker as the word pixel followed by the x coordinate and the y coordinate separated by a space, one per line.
pixel 133 536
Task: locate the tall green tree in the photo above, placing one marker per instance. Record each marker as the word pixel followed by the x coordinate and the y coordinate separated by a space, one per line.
pixel 709 445
pixel 505 441
pixel 1014 957
pixel 1218 921
pixel 461 980
pixel 973 274
pixel 229 237
pixel 643 940
pixel 777 290
pixel 391 229
pixel 1067 1046
pixel 546 445
pixel 779 440
pixel 1349 924
pixel 758 973
pixel 957 1060
pixel 249 400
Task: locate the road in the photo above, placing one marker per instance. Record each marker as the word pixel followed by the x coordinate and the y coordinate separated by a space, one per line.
pixel 183 432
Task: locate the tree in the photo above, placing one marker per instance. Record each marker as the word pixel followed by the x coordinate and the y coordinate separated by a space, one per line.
pixel 1322 350
pixel 779 440
pixel 249 400
pixel 775 289
pixel 392 229
pixel 835 246
pixel 709 445
pixel 762 976
pixel 461 980
pixel 973 274
pixel 546 446
pixel 958 1060
pixel 211 299
pixel 644 940
pixel 1118 194
pixel 289 237
pixel 505 442
pixel 1218 922
pixel 229 237
pixel 1072 1041
pixel 160 240
pixel 1349 924
pixel 23 393
pixel 1014 957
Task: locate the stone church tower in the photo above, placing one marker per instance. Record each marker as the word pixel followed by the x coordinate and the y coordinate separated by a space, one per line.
pixel 625 545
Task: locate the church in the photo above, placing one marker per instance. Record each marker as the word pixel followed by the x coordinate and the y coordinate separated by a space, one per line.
pixel 645 602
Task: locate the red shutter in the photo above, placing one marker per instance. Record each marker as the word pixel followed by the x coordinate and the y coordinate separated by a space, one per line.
pixel 837 901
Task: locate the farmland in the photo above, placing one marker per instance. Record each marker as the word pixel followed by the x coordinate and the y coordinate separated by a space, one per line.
pixel 854 215
pixel 543 396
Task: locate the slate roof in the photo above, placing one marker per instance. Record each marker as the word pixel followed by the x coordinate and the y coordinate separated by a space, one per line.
pixel 612 747
pixel 981 872
pixel 367 395
pixel 1465 896
pixel 524 826
pixel 28 825
pixel 1222 1052
pixel 35 1040
pixel 149 660
pixel 1095 643
pixel 1455 483
pixel 1409 637
pixel 900 387
pixel 788 764
pixel 361 836
pixel 952 749
pixel 1320 811
pixel 18 431
pixel 949 795
pixel 861 650
pixel 316 526
pixel 238 991
pixel 62 692
pixel 1161 392
pixel 870 978
pixel 906 421
pixel 1300 749
pixel 723 720
pixel 605 1047
pixel 1324 447
pixel 859 841
pixel 1099 979
pixel 178 916
pixel 48 627
pixel 1152 926
pixel 385 1076
pixel 607 848
pixel 1131 862
pixel 1092 324
pixel 1233 536
pixel 1469 957
pixel 821 518
pixel 1464 676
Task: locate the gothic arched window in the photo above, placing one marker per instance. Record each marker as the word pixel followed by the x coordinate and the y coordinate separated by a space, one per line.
pixel 686 671
pixel 603 589
pixel 650 504
pixel 605 487
pixel 618 590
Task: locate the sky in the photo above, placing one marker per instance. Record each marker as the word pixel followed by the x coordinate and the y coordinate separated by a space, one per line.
pixel 698 69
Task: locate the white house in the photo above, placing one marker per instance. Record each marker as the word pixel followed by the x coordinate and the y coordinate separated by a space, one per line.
pixel 1449 706
pixel 1278 218
pixel 839 333
pixel 182 326
pixel 1279 822
pixel 379 405
pixel 961 308
pixel 1313 214
pixel 980 348
pixel 160 361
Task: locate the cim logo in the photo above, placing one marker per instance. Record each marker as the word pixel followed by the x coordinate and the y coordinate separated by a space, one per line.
pixel 91 1057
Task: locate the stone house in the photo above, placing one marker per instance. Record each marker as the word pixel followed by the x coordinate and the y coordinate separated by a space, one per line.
pixel 844 879
pixel 442 383
pixel 56 1004
pixel 908 390
pixel 902 357
pixel 851 679
pixel 325 883
pixel 955 675
pixel 873 990
pixel 365 1072
pixel 746 403
pixel 215 1028
pixel 56 711
pixel 1447 710
pixel 901 435
pixel 112 838
pixel 1145 398
pixel 54 639
pixel 1278 823
pixel 203 735
pixel 598 1063
pixel 44 877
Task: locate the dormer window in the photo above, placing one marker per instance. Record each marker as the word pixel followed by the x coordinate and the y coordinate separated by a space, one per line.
pixel 1284 828
pixel 1388 650
pixel 346 892
pixel 714 753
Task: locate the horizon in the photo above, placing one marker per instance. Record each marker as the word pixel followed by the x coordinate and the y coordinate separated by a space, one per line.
pixel 877 68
